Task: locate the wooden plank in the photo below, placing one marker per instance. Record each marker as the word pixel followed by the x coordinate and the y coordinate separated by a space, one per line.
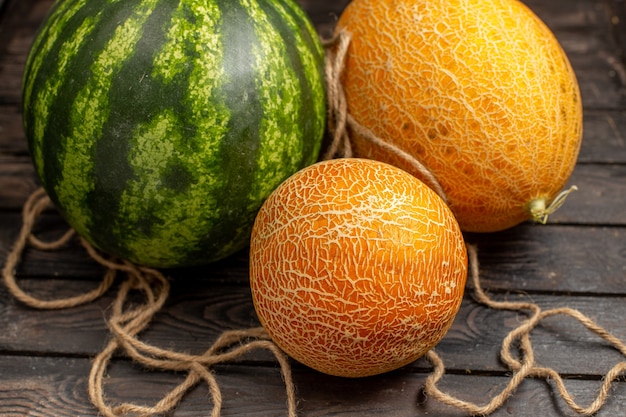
pixel 580 18
pixel 77 331
pixel 17 181
pixel 70 262
pixel 600 198
pixel 197 312
pixel 604 137
pixel 578 261
pixel 21 14
pixel 529 257
pixel 563 259
pixel 570 259
pixel 20 22
pixel 617 18
pixel 475 340
pixel 599 201
pixel 12 140
pixel 581 27
pixel 73 262
pixel 57 387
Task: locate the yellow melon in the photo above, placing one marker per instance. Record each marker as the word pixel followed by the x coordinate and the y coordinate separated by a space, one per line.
pixel 356 267
pixel 480 92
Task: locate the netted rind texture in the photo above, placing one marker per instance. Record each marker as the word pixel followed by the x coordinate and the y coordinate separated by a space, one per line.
pixel 480 92
pixel 357 267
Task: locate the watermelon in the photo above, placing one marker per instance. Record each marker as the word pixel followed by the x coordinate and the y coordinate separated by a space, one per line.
pixel 159 127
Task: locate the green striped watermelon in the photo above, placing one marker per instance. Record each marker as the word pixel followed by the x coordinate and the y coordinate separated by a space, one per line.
pixel 158 127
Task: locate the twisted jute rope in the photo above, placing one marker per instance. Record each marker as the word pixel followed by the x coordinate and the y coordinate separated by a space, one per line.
pixel 128 318
pixel 342 124
pixel 127 321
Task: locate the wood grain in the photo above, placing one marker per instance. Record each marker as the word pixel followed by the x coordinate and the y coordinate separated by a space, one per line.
pixel 197 313
pixel 567 259
pixel 578 260
pixel 604 137
pixel 56 387
pixel 602 190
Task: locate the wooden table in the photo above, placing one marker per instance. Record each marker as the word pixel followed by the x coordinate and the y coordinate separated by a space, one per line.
pixel 578 260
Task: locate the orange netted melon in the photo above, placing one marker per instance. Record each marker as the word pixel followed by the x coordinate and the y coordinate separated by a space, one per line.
pixel 356 267
pixel 479 92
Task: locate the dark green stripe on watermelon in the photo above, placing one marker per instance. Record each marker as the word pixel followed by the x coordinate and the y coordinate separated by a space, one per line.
pixel 162 149
pixel 299 32
pixel 79 105
pixel 45 103
pixel 133 103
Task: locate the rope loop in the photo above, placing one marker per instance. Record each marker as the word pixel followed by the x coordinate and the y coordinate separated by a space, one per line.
pixel 127 320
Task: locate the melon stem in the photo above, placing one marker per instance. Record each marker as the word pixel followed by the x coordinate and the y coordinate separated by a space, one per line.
pixel 540 212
